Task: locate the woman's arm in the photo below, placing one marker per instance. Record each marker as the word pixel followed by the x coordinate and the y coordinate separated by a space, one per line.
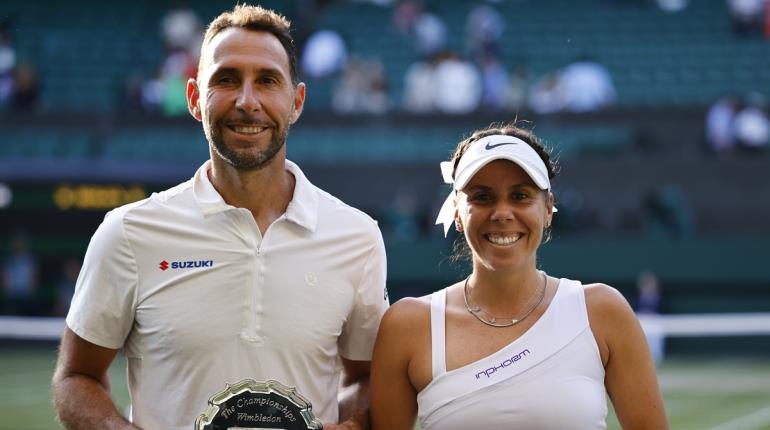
pixel 393 396
pixel 630 376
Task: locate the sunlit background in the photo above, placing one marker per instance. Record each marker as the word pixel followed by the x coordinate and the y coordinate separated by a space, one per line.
pixel 656 109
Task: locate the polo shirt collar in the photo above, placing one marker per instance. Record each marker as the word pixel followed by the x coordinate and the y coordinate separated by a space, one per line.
pixel 302 209
pixel 205 194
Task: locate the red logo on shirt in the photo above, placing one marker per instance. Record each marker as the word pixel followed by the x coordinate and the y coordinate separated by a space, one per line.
pixel 163 265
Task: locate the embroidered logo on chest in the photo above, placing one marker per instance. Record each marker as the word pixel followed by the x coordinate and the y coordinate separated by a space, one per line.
pixel 191 264
pixel 311 279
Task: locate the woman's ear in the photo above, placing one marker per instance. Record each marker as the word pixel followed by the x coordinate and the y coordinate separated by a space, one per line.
pixel 549 204
pixel 458 222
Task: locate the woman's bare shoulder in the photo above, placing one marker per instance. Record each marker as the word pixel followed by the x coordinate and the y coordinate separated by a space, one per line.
pixel 610 316
pixel 404 329
pixel 408 311
pixel 602 298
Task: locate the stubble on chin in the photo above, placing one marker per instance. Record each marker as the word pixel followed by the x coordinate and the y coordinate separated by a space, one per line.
pixel 247 160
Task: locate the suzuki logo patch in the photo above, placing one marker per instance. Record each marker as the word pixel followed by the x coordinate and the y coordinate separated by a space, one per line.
pixel 164 265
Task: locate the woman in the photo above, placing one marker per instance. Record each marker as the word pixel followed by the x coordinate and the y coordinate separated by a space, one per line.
pixel 510 347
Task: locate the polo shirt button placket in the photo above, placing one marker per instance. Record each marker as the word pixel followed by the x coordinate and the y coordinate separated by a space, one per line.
pixel 257 294
pixel 252 331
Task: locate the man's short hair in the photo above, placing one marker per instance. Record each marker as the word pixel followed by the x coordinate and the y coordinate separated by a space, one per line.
pixel 255 18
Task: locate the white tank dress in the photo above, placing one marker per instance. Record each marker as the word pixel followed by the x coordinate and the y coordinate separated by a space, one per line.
pixel 550 378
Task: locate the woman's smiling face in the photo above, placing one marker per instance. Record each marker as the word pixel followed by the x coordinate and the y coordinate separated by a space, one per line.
pixel 503 214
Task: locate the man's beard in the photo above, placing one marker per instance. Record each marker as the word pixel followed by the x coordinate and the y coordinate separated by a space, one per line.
pixel 245 160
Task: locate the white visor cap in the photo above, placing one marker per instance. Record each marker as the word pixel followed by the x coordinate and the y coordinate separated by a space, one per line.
pixel 479 154
pixel 500 147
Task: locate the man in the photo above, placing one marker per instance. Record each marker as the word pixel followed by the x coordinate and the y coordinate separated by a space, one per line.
pixel 246 271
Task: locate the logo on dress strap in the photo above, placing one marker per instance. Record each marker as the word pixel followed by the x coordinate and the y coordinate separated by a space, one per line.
pixel 504 364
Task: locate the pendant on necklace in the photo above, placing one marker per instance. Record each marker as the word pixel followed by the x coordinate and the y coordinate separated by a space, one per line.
pixel 476 310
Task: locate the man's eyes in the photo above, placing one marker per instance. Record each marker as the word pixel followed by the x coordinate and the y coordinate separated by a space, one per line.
pixel 268 80
pixel 225 80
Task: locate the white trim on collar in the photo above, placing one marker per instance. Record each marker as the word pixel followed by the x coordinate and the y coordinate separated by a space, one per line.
pixel 302 209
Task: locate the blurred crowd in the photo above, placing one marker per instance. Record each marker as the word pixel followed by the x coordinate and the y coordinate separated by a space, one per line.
pixel 19 83
pixel 750 17
pixel 445 81
pixel 439 81
pixel 24 290
pixel 738 124
pixel 164 91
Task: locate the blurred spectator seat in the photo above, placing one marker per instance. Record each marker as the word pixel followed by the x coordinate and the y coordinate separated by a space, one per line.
pixel 586 86
pixel 720 135
pixel 418 96
pixel 543 96
pixel 747 15
pixel 430 34
pixel 45 144
pixel 362 88
pixel 456 86
pixel 20 278
pixel 182 29
pixel 25 94
pixel 325 54
pixel 157 144
pixel 667 212
pixel 495 82
pixel 751 125
pixel 483 29
pixel 7 65
pixel 571 141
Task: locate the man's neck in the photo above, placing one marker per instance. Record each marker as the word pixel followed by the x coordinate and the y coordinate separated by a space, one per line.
pixel 265 192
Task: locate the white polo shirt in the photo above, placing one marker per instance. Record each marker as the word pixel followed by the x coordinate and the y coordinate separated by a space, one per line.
pixel 199 298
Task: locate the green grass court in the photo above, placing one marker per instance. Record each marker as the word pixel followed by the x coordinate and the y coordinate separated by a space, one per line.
pixel 700 393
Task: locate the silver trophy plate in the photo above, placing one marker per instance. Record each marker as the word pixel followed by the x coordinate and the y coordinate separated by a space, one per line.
pixel 251 405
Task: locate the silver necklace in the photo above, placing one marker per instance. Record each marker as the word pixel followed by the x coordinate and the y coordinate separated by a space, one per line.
pixel 488 318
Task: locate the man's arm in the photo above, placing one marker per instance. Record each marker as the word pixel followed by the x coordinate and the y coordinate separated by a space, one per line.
pixel 81 389
pixel 354 396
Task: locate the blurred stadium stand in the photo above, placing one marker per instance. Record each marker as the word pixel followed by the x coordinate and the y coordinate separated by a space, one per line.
pixel 637 190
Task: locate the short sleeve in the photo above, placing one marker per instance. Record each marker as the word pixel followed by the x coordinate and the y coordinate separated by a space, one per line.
pixel 102 309
pixel 357 339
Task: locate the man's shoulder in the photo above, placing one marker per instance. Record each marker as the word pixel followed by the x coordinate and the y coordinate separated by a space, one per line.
pixel 152 204
pixel 329 205
pixel 184 187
